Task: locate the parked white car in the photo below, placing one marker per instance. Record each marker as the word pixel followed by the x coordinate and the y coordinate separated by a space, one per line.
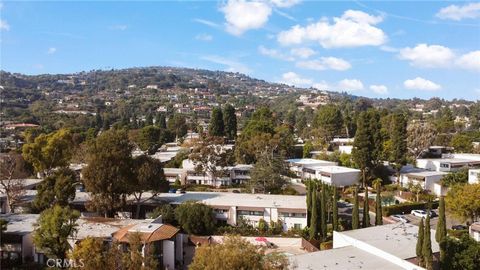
pixel 422 213
pixel 400 218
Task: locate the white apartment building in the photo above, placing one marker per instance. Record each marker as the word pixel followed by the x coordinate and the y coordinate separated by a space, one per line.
pixel 450 164
pixel 296 165
pixel 290 210
pixel 238 174
pixel 474 231
pixel 428 180
pixel 333 175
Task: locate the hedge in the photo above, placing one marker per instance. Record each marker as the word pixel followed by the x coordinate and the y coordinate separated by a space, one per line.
pixel 406 208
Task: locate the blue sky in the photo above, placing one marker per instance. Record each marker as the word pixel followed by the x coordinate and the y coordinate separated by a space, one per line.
pixel 371 48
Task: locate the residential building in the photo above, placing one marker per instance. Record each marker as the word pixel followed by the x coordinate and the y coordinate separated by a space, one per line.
pixel 17 241
pixel 333 175
pixel 166 241
pixel 296 165
pixel 428 180
pixel 229 208
pixel 450 164
pixel 474 231
pixel 172 174
pixel 391 246
pixel 225 176
pixel 473 176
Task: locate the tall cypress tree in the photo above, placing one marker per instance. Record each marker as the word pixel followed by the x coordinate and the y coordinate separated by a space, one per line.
pixel 314 216
pixel 216 127
pixel 419 247
pixel 230 121
pixel 323 213
pixel 309 200
pixel 148 119
pixel 378 207
pixel 399 143
pixel 160 121
pixel 441 232
pixel 427 244
pixel 366 215
pixel 355 211
pixel 335 208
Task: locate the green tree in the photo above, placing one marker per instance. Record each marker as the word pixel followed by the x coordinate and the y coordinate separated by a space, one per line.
pixel 108 170
pixel 420 136
pixel 266 174
pixel 167 212
pixel 427 245
pixel 366 214
pixel 195 218
pixel 419 247
pixel 148 139
pixel 148 119
pixel 236 253
pixel 48 151
pixel 216 127
pixel 323 212
pixel 309 185
pixel 90 252
pixel 314 216
pixel 160 121
pixel 461 254
pixel 335 208
pixel 453 178
pixel 147 176
pixel 377 185
pixel 58 188
pixel 54 227
pixel 3 227
pixel 177 125
pixel 462 143
pixel 462 201
pixel 399 143
pixel 441 231
pixel 307 148
pixel 329 119
pixel 230 121
pixel 12 170
pixel 355 211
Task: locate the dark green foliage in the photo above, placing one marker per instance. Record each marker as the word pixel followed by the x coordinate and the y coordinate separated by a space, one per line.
pixel 216 127
pixel 427 245
pixel 329 119
pixel 308 185
pixel 314 215
pixel 335 208
pixel 398 155
pixel 419 247
pixel 366 215
pixel 378 207
pixel 405 208
pixel 167 212
pixel 323 212
pixel 160 121
pixel 177 125
pixel 462 254
pixel 58 188
pixel 458 177
pixel 441 231
pixel 230 121
pixel 307 148
pixel 266 174
pixel 355 211
pixel 195 218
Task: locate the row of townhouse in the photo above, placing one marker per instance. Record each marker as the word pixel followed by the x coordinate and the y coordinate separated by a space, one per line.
pixel 17 246
pixel 326 171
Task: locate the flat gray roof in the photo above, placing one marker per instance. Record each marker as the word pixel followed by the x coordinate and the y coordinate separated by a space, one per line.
pixel 341 258
pixel 20 223
pixel 398 239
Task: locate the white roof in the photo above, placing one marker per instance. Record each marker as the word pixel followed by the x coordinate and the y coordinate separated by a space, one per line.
pixel 425 173
pixel 238 199
pixel 174 170
pixel 308 161
pixel 398 239
pixel 333 169
pixel 341 258
pixel 20 223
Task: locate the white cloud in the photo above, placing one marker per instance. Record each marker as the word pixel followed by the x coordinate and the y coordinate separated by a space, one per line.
pixel 469 61
pixel 350 85
pixel 204 37
pixel 379 89
pixel 120 27
pixel 457 13
pixel 302 52
pixel 242 16
pixel 352 29
pixel 292 78
pixel 207 22
pixel 421 84
pixel 424 55
pixel 51 50
pixel 325 63
pixel 273 53
pixel 231 65
pixel 4 25
pixel 284 3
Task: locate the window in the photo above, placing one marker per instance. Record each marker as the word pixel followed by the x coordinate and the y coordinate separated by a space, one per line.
pixel 297 226
pixel 444 165
pixel 249 213
pixel 293 215
pixel 221 211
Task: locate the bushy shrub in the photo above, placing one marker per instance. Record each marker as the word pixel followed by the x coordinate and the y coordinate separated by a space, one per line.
pixel 406 208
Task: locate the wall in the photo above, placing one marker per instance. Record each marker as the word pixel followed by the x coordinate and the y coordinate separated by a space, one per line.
pixel 168 254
